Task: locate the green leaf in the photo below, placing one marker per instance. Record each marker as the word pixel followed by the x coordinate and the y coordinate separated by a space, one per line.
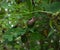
pixel 8 37
pixel 51 33
pixel 51 49
pixel 29 5
pixel 54 7
pixel 13 33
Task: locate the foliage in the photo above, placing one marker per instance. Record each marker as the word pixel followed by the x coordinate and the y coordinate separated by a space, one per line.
pixel 29 24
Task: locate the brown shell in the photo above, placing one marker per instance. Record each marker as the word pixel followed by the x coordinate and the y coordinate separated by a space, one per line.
pixel 31 21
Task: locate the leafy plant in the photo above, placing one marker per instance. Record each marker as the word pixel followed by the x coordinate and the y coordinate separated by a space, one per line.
pixel 29 24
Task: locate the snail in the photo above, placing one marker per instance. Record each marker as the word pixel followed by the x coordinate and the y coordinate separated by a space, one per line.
pixel 31 22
